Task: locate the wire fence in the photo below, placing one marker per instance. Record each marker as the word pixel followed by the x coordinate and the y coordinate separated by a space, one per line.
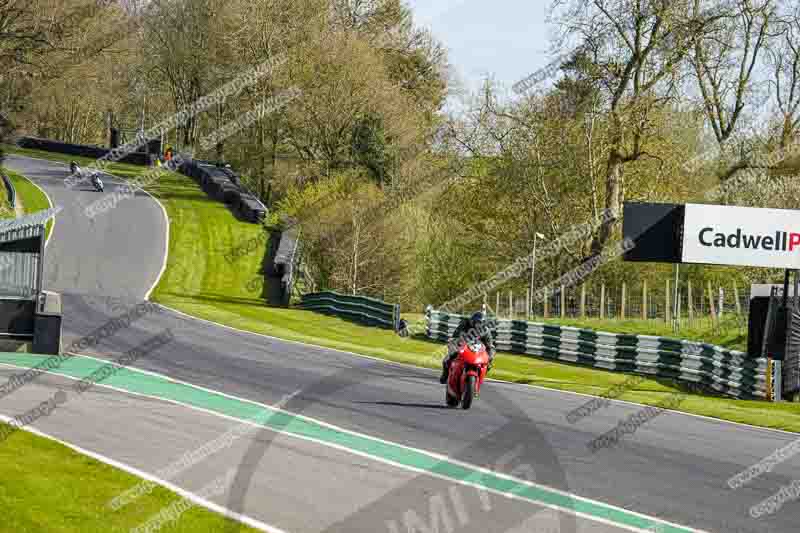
pixel 627 302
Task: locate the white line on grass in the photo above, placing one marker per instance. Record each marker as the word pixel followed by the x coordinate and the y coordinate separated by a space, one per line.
pixel 215 507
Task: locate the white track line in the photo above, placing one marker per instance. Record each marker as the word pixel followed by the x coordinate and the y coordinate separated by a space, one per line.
pixel 215 507
pixel 49 201
pixel 166 246
pixel 437 456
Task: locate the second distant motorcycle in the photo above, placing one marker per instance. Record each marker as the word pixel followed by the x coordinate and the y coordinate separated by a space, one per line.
pixel 97 182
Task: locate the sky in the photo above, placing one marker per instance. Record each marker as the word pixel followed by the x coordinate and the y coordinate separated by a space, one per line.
pixel 508 39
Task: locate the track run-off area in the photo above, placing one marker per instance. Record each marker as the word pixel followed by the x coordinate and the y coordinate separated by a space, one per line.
pixel 342 443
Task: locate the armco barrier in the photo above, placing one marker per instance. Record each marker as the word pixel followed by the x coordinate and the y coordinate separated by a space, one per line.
pixel 223 184
pixel 10 190
pixel 285 262
pixel 82 150
pixel 727 371
pixel 365 310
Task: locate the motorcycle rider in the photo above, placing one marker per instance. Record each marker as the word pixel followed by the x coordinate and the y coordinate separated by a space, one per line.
pixel 472 328
pixel 97 182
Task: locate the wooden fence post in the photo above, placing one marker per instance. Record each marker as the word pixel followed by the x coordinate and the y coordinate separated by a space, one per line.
pixel 563 302
pixel 644 300
pixel 546 301
pixel 583 301
pixel 711 309
pixel 511 304
pixel 702 301
pixel 622 303
pixel 497 309
pixel 689 301
pixel 736 298
pixel 602 300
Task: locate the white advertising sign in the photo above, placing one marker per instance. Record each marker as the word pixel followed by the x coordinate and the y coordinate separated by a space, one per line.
pixel 747 236
pixel 765 289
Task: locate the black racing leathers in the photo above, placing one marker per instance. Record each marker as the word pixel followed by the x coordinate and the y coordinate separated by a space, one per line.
pixel 466 332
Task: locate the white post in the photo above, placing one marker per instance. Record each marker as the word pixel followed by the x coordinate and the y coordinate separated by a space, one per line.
pixel 533 263
pixel 536 236
pixel 676 318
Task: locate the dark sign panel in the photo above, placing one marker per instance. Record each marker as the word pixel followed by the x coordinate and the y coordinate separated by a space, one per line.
pixel 655 229
pixel 30 245
pixel 16 318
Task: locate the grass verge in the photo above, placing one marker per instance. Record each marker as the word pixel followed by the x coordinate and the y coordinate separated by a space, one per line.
pixel 32 197
pixel 201 282
pixel 47 486
pixel 6 211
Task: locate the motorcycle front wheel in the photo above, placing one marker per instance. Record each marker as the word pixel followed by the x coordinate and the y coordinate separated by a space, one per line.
pixel 469 392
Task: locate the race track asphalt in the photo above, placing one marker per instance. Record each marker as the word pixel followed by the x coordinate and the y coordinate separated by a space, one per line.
pixel 674 468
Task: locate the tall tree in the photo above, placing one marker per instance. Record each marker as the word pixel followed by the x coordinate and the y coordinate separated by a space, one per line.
pixel 33 35
pixel 725 56
pixel 785 77
pixel 637 48
pixel 183 48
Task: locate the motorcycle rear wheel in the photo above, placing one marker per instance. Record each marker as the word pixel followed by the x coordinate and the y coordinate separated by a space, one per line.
pixel 469 392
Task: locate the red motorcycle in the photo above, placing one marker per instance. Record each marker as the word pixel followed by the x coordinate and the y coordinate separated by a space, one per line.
pixel 467 372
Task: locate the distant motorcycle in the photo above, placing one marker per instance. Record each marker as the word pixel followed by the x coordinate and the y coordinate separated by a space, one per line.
pixel 97 182
pixel 467 372
pixel 74 175
pixel 77 175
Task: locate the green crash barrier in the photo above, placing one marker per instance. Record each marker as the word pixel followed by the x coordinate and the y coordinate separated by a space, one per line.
pixel 730 372
pixel 362 309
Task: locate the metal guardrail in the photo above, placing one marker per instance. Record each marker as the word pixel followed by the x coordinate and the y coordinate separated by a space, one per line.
pixel 365 310
pixel 27 313
pixel 286 260
pixel 730 372
pixel 12 192
pixel 21 256
pixel 81 150
pixel 224 185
